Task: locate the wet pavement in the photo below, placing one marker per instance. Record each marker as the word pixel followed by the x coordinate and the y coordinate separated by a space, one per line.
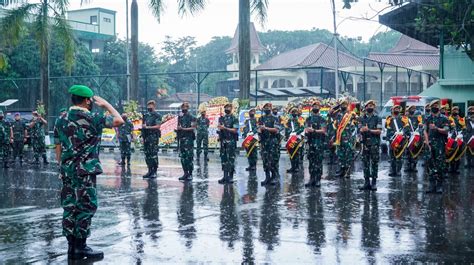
pixel 166 221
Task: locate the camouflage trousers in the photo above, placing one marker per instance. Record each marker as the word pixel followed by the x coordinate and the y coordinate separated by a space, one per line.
pixel 39 147
pixel 269 155
pixel 126 149
pixel 150 148
pixel 4 150
pixel 186 153
pixel 202 143
pixel 395 163
pixel 227 153
pixel 79 201
pixel 370 159
pixel 253 157
pixel 18 149
pixel 437 162
pixel 344 154
pixel 315 157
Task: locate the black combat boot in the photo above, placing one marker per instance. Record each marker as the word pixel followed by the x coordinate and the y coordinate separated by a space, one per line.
pixel 184 177
pixel 311 182
pixel 230 177
pixel 223 180
pixel 81 251
pixel 45 159
pixel 267 178
pixel 128 160
pixel 366 185
pixel 340 172
pixel 122 161
pixel 393 169
pixel 36 162
pixel 147 175
pixel 373 185
pixel 189 175
pixel 153 172
pixel 274 178
pixel 206 158
pixel 431 186
pixel 70 244
pixel 21 160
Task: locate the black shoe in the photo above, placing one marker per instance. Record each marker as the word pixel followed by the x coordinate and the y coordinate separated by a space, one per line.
pixel 81 251
pixel 45 160
pixel 366 185
pixel 252 168
pixel 247 168
pixel 230 178
pixel 291 170
pixel 311 182
pixel 121 163
pixel 153 173
pixel 128 161
pixel 373 184
pixel 223 180
pixel 267 178
pixel 184 177
pixel 147 175
pixel 206 158
pixel 70 244
pixel 189 176
pixel 274 179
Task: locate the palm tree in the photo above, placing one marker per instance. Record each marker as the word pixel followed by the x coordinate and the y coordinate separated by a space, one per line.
pixel 39 20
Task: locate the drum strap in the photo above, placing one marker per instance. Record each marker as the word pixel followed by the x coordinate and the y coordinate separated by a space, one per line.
pixel 396 125
pixel 250 126
pixel 411 125
pixel 292 127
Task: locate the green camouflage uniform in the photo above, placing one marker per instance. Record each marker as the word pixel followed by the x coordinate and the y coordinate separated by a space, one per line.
pixel 344 150
pixel 316 145
pixel 125 140
pixel 79 134
pixel 250 127
pixel 426 150
pixel 18 128
pixel 437 143
pixel 202 141
pixel 330 138
pixel 37 139
pixel 228 142
pixel 371 145
pixel 151 138
pixel 4 141
pixel 186 142
pixel 293 126
pixel 269 143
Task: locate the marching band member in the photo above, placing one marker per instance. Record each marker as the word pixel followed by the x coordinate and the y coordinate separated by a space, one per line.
pixel 250 129
pixel 396 127
pixel 415 126
pixel 294 127
pixel 315 131
pixel 269 131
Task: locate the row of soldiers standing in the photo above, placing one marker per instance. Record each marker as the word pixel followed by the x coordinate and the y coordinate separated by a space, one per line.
pixel 14 135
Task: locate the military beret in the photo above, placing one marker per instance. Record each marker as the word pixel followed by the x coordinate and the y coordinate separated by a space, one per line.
pixel 17 114
pixel 267 105
pixel 412 107
pixel 370 102
pixel 185 104
pixel 252 109
pixel 293 109
pixel 436 101
pixel 81 90
pixel 396 107
pixel 228 105
pixel 275 107
pixel 427 106
pixel 316 103
pixel 63 110
pixel 455 108
pixel 151 102
pixel 471 108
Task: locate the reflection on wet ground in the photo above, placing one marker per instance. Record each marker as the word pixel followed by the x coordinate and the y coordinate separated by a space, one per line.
pixel 164 220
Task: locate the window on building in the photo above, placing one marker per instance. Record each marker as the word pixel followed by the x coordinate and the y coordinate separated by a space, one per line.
pixel 265 84
pixel 281 83
pixel 93 19
pixel 254 60
pixel 107 20
pixel 288 83
pixel 95 50
pixel 275 84
pixel 300 82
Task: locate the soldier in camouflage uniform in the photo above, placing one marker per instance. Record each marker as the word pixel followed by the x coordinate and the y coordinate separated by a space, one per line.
pixel 415 124
pixel 331 134
pixel 395 124
pixel 4 140
pixel 426 151
pixel 151 136
pixel 458 127
pixel 37 137
pixel 315 132
pixel 228 126
pixel 469 134
pixel 18 135
pixel 276 149
pixel 269 131
pixel 186 137
pixel 125 136
pixel 250 128
pixel 344 149
pixel 436 131
pixel 370 128
pixel 294 126
pixel 202 141
pixel 77 137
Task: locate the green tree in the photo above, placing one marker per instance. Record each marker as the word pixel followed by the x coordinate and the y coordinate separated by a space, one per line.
pixel 43 17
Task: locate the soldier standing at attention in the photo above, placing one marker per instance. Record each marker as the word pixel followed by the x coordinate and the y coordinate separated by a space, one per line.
pixel 370 126
pixel 415 124
pixel 4 140
pixel 125 136
pixel 77 148
pixel 316 134
pixel 458 128
pixel 294 127
pixel 250 128
pixel 280 137
pixel 468 136
pixel 344 150
pixel 436 131
pixel 269 131
pixel 151 137
pixel 202 135
pixel 331 134
pixel 186 136
pixel 37 137
pixel 395 125
pixel 228 126
pixel 18 135
pixel 426 152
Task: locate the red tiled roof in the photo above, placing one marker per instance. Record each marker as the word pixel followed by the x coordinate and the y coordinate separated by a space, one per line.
pixel 315 55
pixel 255 43
pixel 406 59
pixel 409 45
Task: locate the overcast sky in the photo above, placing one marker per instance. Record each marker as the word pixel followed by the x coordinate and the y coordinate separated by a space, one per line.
pixel 220 18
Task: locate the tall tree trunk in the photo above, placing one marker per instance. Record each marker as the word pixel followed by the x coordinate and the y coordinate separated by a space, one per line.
pixel 244 48
pixel 44 65
pixel 134 51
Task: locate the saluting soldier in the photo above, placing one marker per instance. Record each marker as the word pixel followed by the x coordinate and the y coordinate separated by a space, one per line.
pixel 186 137
pixel 202 142
pixel 37 137
pixel 344 149
pixel 77 148
pixel 294 126
pixel 228 135
pixel 18 136
pixel 458 127
pixel 436 131
pixel 415 125
pixel 315 131
pixel 250 128
pixel 269 131
pixel 125 136
pixel 469 135
pixel 370 128
pixel 151 136
pixel 4 140
pixel 396 126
